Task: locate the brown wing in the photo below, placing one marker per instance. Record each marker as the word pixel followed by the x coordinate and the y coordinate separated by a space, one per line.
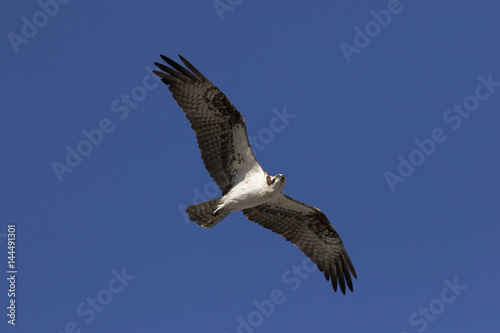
pixel 219 127
pixel 309 229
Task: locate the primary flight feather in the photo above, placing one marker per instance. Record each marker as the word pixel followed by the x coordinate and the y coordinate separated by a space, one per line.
pixel 222 138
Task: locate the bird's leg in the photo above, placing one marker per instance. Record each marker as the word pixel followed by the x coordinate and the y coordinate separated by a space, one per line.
pixel 216 210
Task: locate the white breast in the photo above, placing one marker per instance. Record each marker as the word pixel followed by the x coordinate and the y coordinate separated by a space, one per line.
pixel 250 192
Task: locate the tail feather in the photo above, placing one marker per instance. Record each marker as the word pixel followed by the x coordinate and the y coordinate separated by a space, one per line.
pixel 203 213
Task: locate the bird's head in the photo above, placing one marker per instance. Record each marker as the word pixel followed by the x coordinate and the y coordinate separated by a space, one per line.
pixel 279 181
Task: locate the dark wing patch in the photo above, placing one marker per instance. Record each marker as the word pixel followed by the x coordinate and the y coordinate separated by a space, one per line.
pixel 213 118
pixel 309 229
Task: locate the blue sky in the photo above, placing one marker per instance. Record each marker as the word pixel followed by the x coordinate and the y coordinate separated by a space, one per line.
pixel 384 114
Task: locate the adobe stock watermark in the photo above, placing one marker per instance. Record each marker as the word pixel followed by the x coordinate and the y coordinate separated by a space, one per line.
pixel 363 37
pixel 292 279
pixel 223 6
pixel 88 309
pixel 453 117
pixel 258 142
pixel 30 26
pixel 420 319
pixel 121 107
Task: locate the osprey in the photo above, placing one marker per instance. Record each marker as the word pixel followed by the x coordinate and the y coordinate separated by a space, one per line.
pixel 222 138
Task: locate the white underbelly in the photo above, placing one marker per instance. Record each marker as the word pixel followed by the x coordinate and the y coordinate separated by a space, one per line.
pixel 246 195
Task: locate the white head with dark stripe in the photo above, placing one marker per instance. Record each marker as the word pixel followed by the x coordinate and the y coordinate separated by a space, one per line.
pixel 277 182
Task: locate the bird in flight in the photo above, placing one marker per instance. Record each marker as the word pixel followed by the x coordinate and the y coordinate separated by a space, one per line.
pixel 222 138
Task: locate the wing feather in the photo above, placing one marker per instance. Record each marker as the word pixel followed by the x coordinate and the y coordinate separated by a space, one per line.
pixel 309 229
pixel 219 127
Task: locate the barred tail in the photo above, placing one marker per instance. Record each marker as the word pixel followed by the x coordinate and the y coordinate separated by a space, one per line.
pixel 203 213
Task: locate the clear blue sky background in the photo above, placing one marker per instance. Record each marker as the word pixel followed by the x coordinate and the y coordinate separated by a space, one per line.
pixel 119 211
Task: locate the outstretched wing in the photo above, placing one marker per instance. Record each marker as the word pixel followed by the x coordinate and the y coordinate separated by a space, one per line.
pixel 220 129
pixel 309 229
